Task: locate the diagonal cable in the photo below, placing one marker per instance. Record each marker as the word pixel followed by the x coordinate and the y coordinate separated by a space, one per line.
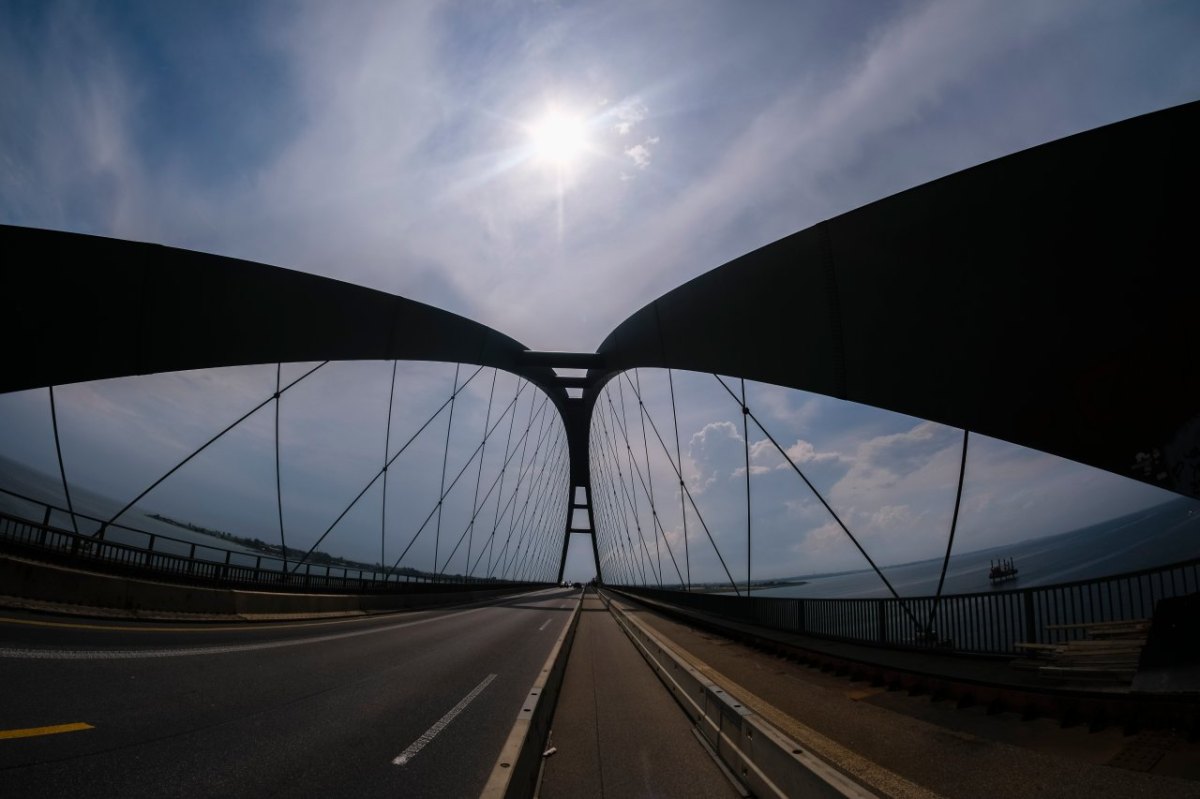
pixel 679 457
pixel 62 470
pixel 441 499
pixel 206 445
pixel 962 471
pixel 387 443
pixel 746 447
pixel 437 540
pixel 381 472
pixel 695 508
pixel 832 513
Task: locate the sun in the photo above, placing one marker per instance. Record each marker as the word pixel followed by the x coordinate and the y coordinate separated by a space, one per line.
pixel 558 138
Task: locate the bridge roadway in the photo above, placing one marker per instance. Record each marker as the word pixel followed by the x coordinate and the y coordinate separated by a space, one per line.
pixel 326 708
pixel 296 709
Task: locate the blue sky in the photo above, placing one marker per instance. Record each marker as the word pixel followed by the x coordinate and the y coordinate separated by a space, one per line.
pixel 389 145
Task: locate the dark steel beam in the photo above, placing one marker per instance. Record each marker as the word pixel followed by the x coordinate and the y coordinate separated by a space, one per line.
pixel 1047 298
pixel 119 308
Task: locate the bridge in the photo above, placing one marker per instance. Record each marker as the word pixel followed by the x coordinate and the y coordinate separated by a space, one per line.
pixel 1044 299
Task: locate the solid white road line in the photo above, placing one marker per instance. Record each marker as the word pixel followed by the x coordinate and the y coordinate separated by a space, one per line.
pixel 130 654
pixel 441 724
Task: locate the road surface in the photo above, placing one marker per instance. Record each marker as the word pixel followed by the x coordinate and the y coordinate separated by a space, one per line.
pixel 413 704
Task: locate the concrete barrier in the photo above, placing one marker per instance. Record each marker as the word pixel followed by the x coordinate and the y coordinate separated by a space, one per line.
pixel 767 761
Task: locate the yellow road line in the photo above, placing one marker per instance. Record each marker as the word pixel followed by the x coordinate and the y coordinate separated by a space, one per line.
pixel 33 732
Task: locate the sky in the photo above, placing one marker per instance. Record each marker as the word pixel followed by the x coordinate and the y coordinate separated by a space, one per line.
pixel 547 169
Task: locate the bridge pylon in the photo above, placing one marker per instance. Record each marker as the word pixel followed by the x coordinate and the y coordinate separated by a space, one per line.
pixel 580 500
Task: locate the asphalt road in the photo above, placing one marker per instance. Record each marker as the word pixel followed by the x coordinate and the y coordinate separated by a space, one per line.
pixel 298 709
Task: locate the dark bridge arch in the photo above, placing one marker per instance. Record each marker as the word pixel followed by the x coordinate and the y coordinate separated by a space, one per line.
pixel 1049 298
pixel 1038 298
pixel 86 308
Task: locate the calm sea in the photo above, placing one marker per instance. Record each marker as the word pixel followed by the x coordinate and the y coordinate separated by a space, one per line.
pixel 1164 534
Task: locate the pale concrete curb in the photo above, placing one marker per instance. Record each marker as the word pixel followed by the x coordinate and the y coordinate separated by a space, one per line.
pixel 516 771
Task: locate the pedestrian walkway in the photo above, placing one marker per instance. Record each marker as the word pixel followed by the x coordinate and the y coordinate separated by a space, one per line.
pixel 932 746
pixel 616 730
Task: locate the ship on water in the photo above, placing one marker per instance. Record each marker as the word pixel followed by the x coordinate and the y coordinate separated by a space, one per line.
pixel 1002 570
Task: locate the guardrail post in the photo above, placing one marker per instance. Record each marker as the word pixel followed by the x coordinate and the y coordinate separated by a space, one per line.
pixel 46 517
pixel 257 566
pixel 881 618
pixel 1030 620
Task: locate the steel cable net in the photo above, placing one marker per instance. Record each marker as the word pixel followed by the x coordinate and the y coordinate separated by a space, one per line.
pixel 390 471
pixel 709 483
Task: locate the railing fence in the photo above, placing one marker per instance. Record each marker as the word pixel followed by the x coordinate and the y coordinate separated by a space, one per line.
pixel 988 623
pixel 131 551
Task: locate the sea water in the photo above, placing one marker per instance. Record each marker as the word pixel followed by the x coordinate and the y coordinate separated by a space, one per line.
pixel 1156 536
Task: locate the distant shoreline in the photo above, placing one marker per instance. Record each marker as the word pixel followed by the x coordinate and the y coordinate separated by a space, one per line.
pixel 759 584
pixel 315 557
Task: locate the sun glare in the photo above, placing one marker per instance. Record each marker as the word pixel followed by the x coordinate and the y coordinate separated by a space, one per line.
pixel 558 138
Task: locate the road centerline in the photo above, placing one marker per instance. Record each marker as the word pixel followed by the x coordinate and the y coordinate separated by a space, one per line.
pixel 54 729
pixel 441 724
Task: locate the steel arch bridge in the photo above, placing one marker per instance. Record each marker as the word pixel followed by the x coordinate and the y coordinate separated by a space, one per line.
pixel 1047 298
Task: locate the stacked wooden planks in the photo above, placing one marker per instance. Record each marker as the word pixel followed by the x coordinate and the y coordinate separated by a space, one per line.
pixel 1106 652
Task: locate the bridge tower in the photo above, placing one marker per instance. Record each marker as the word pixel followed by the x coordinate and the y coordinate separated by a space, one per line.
pixel 575 409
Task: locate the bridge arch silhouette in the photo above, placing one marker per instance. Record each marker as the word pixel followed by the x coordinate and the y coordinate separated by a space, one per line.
pixel 1038 299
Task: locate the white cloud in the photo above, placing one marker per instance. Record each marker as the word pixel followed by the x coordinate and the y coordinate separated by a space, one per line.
pixel 640 153
pixel 712 452
pixel 628 114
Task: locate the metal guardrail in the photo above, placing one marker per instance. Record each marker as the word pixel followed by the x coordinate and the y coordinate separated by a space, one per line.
pixel 138 552
pixel 763 757
pixel 986 623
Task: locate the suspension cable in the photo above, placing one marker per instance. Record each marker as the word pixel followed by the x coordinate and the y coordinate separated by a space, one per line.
pixel 381 472
pixel 441 499
pixel 387 443
pixel 543 431
pixel 648 481
pixel 206 445
pixel 503 468
pixel 623 425
pixel 820 498
pixel 445 459
pixel 479 504
pixel 62 470
pixel 630 498
pixel 679 457
pixel 601 469
pixel 278 483
pixel 962 471
pixel 535 493
pixel 746 446
pixel 515 493
pixel 535 551
pixel 479 474
pixel 695 508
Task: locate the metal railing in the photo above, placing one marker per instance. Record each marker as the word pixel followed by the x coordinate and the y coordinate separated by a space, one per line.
pixel 986 623
pixel 130 551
